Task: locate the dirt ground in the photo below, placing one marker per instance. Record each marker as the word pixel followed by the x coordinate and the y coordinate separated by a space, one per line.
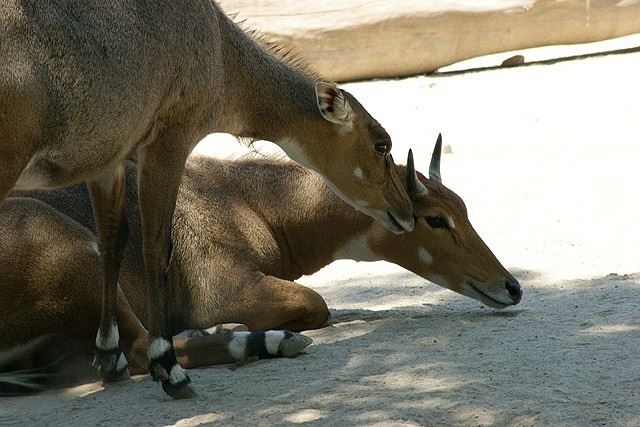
pixel 546 158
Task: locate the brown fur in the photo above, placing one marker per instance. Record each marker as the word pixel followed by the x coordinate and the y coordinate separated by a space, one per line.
pixel 85 84
pixel 238 248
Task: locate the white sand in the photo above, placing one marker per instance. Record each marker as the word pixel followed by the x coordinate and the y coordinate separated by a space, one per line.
pixel 546 158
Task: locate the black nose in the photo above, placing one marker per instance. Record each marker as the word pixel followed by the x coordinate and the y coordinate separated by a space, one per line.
pixel 514 289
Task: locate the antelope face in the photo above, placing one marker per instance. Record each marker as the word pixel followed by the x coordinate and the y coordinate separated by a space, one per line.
pixel 351 150
pixel 443 247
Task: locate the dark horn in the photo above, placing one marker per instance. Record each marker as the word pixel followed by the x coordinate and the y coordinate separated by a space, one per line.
pixel 434 166
pixel 415 188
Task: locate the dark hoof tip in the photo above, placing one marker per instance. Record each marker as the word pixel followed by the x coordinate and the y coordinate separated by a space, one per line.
pixel 111 365
pixel 115 375
pixel 158 373
pixel 293 344
pixel 181 390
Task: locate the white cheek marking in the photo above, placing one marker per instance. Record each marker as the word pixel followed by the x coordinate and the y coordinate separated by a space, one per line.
pixel 238 345
pixel 450 222
pixel 272 340
pixel 359 174
pixel 425 256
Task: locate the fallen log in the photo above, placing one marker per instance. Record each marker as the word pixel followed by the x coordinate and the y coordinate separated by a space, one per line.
pixel 362 39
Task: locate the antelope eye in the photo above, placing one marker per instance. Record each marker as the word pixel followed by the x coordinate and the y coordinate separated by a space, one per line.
pixel 382 148
pixel 436 221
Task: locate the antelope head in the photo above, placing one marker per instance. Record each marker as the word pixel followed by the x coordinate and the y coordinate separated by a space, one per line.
pixel 352 152
pixel 443 247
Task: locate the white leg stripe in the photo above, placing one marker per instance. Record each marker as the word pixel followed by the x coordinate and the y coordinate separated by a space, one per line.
pixel 110 341
pixel 272 340
pixel 238 345
pixel 177 375
pixel 122 363
pixel 157 348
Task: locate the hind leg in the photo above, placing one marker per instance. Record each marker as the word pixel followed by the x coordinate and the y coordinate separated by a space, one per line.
pixel 41 290
pixel 51 263
pixel 51 276
pixel 50 297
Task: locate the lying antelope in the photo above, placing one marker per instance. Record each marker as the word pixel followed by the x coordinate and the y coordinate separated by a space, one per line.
pixel 85 85
pixel 239 244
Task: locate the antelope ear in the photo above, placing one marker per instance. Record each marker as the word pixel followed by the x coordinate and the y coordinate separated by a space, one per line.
pixel 415 188
pixel 333 105
pixel 434 165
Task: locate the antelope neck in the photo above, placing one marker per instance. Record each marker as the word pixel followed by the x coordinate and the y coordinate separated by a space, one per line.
pixel 312 230
pixel 265 97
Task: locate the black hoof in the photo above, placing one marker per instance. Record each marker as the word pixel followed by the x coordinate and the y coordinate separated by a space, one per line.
pixel 111 364
pixel 180 390
pixel 292 344
pixel 158 372
pixel 165 368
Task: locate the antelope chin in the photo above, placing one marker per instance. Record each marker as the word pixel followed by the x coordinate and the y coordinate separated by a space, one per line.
pixel 394 225
pixel 499 301
pixel 387 218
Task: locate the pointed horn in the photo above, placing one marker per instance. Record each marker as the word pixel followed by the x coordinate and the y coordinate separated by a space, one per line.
pixel 415 188
pixel 434 166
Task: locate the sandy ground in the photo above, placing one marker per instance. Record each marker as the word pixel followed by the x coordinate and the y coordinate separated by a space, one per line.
pixel 546 158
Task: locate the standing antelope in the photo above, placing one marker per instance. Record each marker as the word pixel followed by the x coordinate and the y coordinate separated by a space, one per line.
pixel 85 84
pixel 239 243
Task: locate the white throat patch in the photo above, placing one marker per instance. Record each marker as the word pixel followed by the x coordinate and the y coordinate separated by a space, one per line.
pixel 356 249
pixel 292 148
pixel 425 256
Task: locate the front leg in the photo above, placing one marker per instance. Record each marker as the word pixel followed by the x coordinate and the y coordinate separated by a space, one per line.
pixel 274 303
pixel 160 171
pixel 238 347
pixel 107 198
